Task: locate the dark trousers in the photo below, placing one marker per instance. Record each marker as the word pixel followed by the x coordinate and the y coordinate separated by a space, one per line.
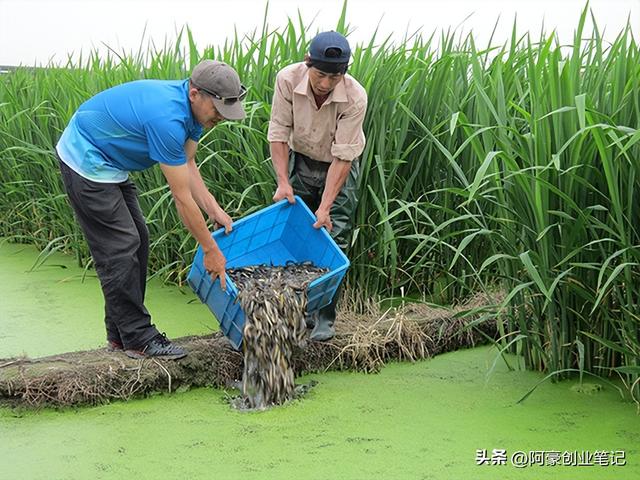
pixel 114 227
pixel 308 178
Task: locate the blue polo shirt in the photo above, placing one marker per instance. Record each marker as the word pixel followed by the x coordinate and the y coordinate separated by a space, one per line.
pixel 129 127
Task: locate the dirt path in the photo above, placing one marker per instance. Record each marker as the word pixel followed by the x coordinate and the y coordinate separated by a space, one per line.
pixel 365 343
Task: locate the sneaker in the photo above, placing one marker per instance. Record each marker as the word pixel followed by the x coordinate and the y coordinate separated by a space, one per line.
pixel 114 346
pixel 159 346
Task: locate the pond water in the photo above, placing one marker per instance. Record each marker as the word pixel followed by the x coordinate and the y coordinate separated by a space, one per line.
pixel 411 421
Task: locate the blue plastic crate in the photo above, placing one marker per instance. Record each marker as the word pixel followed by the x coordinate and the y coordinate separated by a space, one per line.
pixel 275 235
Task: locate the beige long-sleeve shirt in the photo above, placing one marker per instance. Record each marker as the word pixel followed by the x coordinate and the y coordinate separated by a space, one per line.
pixel 332 131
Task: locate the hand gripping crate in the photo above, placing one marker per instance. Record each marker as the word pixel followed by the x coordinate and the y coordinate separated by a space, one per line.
pixel 275 235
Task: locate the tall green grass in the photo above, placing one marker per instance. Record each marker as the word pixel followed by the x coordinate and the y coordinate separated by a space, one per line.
pixel 510 165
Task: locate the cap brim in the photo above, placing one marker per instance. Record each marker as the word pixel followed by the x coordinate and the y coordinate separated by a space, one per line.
pixel 230 111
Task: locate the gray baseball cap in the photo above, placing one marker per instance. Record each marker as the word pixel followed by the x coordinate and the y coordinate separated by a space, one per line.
pixel 223 83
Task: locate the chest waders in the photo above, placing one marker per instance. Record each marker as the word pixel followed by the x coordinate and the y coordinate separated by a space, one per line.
pixel 308 178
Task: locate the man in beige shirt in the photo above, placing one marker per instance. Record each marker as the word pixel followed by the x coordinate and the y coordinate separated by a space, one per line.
pixel 316 137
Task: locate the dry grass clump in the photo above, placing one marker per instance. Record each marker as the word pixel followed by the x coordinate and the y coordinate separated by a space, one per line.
pixel 411 332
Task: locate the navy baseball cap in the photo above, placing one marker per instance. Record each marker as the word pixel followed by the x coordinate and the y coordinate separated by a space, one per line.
pixel 318 50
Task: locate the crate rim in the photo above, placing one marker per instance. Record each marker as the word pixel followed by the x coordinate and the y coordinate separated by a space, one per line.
pixel 283 204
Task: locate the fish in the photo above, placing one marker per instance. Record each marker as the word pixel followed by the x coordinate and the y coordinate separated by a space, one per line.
pixel 274 301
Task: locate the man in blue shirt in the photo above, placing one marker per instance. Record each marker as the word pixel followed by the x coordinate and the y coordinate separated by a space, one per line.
pixel 132 127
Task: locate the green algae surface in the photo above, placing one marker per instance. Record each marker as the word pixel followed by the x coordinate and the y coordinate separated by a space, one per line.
pixel 57 307
pixel 426 420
